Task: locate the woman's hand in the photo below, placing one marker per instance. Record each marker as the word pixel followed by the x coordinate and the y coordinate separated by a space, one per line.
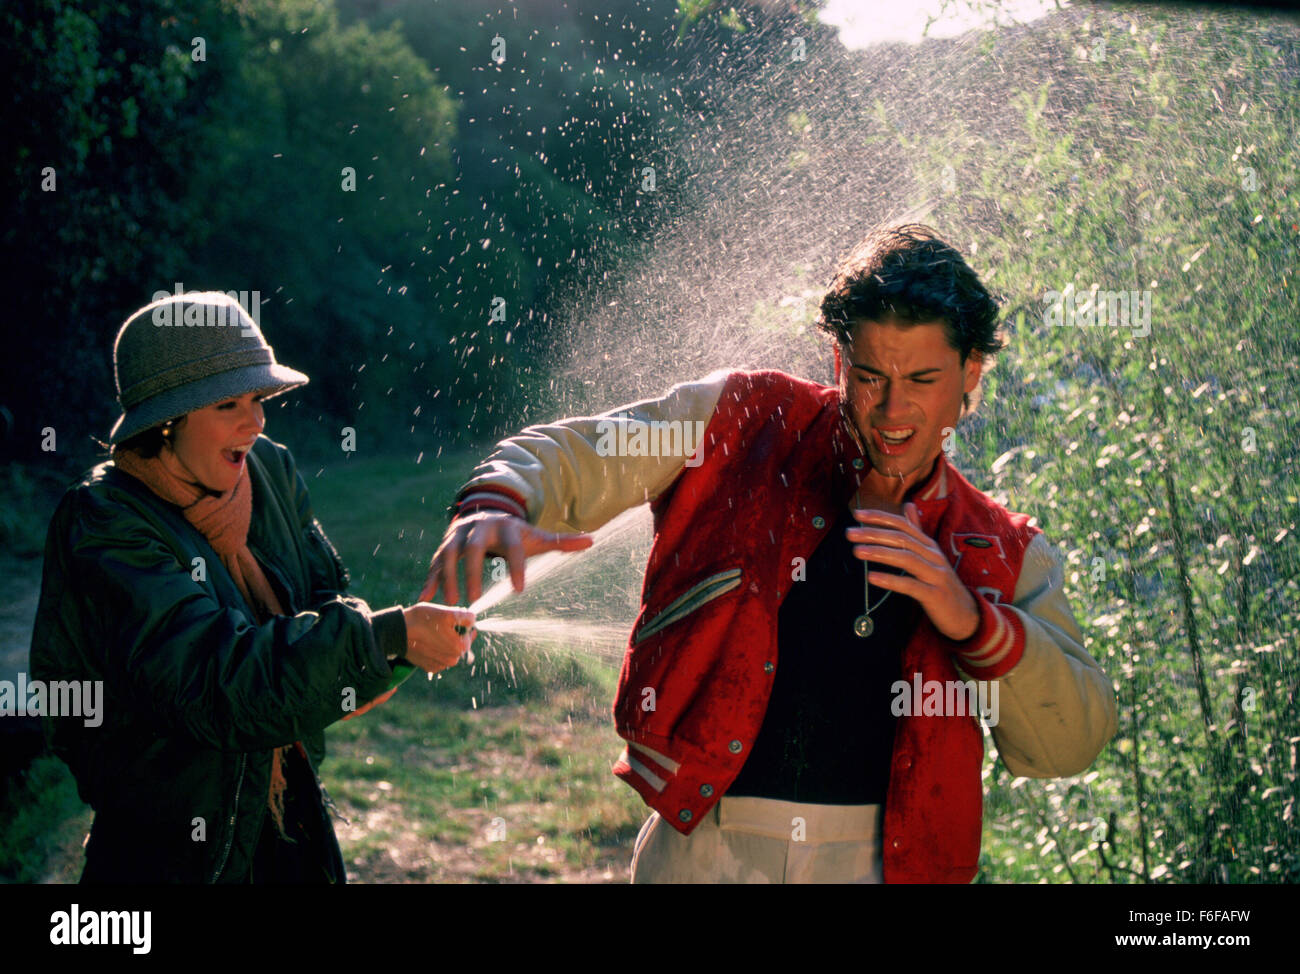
pixel 437 635
pixel 433 641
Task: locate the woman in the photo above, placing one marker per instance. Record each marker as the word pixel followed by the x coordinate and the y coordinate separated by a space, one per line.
pixel 190 577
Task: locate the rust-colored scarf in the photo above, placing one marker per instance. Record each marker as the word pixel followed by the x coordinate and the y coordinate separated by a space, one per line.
pixel 223 519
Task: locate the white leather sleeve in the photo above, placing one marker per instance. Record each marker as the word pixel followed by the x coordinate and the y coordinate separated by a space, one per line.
pixel 1056 705
pixel 570 473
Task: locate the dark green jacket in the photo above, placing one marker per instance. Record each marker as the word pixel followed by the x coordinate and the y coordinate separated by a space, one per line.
pixel 196 693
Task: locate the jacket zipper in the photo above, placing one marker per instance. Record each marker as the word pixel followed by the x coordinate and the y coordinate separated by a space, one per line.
pixel 682 606
pixel 343 578
pixel 234 812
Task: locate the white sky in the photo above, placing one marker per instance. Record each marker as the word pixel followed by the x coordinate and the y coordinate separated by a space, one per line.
pixel 866 22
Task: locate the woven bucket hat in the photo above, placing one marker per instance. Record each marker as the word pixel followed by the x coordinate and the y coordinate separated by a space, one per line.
pixel 187 351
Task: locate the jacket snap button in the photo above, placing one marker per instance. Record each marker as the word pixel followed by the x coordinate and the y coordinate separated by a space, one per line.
pixel 819 522
pixel 735 747
pixel 897 843
pixel 706 790
pixel 685 816
pixel 904 763
pixel 857 463
pixel 768 667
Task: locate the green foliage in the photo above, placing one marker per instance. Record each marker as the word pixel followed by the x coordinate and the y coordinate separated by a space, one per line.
pixel 476 185
pixel 1163 462
pixel 320 169
pixel 738 18
pixel 103 101
pixel 40 810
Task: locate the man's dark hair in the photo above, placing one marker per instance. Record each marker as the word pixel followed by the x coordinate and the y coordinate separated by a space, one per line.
pixel 908 274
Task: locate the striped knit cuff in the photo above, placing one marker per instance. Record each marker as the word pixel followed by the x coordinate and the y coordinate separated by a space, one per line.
pixel 997 645
pixel 491 499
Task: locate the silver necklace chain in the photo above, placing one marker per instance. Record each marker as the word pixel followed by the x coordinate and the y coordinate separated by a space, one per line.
pixel 863 625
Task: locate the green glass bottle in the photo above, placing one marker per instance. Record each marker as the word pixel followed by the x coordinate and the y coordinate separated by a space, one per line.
pixel 402 671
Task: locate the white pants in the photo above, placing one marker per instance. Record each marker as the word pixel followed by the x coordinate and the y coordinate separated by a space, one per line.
pixel 761 840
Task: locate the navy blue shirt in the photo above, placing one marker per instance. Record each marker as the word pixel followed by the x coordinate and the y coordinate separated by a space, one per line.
pixel 828 733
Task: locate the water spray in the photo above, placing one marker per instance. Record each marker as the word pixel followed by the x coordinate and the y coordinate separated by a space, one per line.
pixel 570 602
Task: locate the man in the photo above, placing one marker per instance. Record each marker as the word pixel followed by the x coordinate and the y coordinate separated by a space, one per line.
pixel 778 706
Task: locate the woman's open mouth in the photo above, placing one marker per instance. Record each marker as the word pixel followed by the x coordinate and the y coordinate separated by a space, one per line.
pixel 894 441
pixel 234 457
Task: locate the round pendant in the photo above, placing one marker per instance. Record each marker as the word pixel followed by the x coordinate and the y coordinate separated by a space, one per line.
pixel 863 625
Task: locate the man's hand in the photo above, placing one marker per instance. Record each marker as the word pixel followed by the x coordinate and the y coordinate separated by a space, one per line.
pixel 899 541
pixel 494 533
